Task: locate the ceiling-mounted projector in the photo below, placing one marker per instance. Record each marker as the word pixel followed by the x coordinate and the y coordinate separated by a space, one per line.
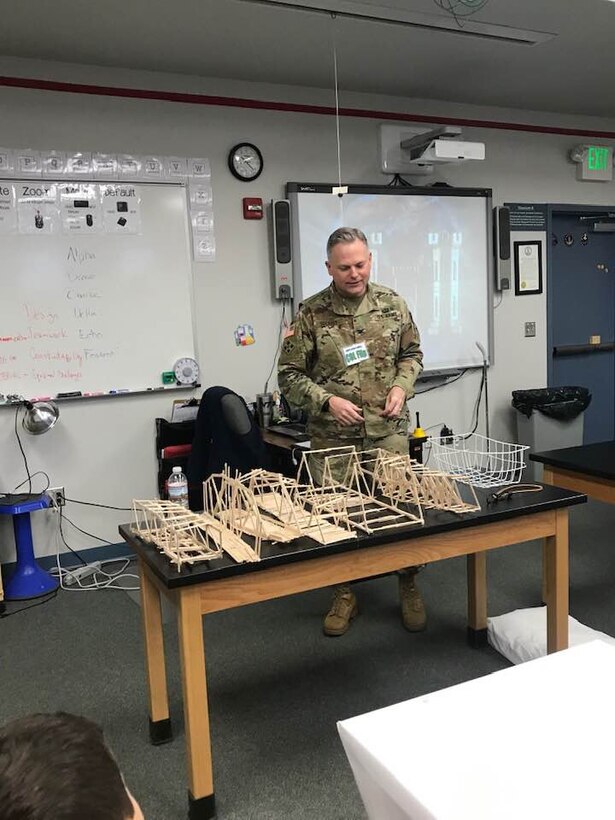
pixel 415 151
pixel 448 151
pixel 440 145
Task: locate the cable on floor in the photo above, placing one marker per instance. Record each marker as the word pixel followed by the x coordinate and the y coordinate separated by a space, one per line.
pixel 95 582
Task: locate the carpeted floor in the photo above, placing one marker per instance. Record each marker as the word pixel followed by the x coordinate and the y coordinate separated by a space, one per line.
pixel 277 686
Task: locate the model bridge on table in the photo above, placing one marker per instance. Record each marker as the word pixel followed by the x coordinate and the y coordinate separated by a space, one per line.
pixel 360 492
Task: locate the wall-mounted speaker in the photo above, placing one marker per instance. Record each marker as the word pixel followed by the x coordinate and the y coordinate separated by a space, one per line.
pixel 282 249
pixel 501 245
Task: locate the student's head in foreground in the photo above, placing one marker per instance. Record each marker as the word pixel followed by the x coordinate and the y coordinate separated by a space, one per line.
pixel 58 767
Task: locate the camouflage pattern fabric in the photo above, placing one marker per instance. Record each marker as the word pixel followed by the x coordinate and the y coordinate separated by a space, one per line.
pixel 311 368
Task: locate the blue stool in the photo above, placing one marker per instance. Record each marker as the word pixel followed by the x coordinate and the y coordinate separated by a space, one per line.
pixel 28 580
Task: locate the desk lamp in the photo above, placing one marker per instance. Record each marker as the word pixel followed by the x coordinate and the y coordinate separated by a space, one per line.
pixel 39 416
pixel 29 580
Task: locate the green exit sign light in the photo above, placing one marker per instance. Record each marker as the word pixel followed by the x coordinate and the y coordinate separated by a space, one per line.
pixel 598 158
pixel 597 165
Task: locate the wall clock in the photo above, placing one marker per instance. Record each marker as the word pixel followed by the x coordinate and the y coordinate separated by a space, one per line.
pixel 186 371
pixel 245 161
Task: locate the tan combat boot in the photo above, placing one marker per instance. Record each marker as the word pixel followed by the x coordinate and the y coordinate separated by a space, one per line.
pixel 343 610
pixel 412 607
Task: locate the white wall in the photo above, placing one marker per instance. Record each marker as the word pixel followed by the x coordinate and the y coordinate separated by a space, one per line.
pixel 104 451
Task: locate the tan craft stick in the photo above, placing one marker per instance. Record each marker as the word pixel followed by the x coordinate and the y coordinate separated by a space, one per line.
pixel 384 490
pixel 411 482
pixel 227 500
pixel 345 475
pixel 183 536
pixel 186 537
pixel 281 496
pixel 370 491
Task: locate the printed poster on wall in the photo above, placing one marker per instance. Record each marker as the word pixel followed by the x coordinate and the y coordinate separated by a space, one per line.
pixel 80 207
pixel 8 211
pixel 121 208
pixel 37 208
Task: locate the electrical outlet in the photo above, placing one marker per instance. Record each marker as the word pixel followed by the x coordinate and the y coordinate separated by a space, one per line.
pixel 56 494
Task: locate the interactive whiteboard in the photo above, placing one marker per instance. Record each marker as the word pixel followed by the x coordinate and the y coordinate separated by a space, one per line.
pixel 95 286
pixel 431 245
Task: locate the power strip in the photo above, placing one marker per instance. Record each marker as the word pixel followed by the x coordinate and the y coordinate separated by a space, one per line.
pixel 77 574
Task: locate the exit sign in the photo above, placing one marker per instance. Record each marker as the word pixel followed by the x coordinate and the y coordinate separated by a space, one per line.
pixel 598 157
pixel 597 164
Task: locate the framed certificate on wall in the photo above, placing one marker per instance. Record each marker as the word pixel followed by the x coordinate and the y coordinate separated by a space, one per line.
pixel 528 267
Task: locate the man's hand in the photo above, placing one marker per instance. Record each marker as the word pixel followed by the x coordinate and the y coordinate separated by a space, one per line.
pixel 345 411
pixel 394 403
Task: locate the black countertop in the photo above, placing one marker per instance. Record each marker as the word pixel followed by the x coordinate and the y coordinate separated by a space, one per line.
pixel 302 549
pixel 592 459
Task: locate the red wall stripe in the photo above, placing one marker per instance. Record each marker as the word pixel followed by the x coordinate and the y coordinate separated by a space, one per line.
pixel 269 105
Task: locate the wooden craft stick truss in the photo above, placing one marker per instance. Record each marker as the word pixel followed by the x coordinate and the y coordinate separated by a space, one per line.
pixel 183 536
pixel 442 491
pixel 405 480
pixel 366 491
pixel 356 479
pixel 232 500
pixel 299 508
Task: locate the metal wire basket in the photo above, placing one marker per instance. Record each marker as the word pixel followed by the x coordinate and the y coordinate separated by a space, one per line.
pixel 484 462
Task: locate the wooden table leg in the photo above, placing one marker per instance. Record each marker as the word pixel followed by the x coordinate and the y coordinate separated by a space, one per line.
pixel 556 581
pixel 545 592
pixel 159 722
pixel 547 478
pixel 198 745
pixel 477 599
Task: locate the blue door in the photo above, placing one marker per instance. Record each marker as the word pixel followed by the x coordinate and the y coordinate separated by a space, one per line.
pixel 581 305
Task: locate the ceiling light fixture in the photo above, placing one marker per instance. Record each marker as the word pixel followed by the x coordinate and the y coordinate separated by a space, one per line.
pixel 428 22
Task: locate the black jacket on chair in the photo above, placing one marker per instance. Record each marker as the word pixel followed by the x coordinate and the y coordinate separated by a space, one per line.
pixel 225 435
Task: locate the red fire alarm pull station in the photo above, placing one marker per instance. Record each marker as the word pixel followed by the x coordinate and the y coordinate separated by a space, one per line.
pixel 252 207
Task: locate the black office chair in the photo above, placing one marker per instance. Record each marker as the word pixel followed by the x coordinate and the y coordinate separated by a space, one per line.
pixel 225 435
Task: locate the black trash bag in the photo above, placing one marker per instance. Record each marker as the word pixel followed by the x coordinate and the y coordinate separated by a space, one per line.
pixel 563 403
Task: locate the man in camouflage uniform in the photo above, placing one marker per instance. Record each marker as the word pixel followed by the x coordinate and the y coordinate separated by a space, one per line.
pixel 350 360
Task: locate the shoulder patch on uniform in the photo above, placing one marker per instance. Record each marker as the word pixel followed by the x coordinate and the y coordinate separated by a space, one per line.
pixel 288 345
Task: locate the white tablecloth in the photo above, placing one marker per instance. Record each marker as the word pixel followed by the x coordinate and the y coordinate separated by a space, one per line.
pixel 532 742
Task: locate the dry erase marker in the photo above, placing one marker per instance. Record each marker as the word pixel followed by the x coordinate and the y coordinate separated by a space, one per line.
pixel 42 398
pixel 123 390
pixel 98 393
pixel 72 395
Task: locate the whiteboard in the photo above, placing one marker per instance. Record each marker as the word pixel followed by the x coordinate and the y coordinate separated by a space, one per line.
pixel 95 286
pixel 432 246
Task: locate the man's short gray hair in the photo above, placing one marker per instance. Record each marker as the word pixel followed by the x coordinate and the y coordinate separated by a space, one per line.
pixel 345 235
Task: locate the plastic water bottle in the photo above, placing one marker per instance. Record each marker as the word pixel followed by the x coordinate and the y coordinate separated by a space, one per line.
pixel 177 487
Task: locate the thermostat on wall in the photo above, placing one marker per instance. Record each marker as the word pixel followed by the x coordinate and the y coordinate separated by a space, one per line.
pixel 186 371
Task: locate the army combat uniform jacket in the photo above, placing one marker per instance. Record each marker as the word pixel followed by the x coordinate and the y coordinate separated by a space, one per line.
pixel 313 363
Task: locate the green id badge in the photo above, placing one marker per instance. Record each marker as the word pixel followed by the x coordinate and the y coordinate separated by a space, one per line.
pixel 353 354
